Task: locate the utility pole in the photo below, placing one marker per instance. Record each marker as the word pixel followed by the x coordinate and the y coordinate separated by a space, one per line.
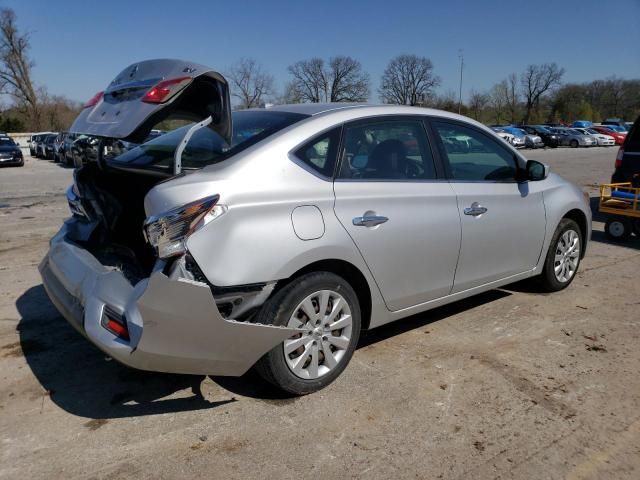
pixel 461 57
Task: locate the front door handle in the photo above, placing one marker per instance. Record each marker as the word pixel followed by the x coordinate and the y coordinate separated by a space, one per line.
pixel 369 220
pixel 475 209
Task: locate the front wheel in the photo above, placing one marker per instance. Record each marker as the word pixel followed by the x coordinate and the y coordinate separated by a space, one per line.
pixel 326 310
pixel 574 143
pixel 563 257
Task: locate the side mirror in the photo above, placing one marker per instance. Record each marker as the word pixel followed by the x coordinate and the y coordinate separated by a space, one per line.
pixel 536 170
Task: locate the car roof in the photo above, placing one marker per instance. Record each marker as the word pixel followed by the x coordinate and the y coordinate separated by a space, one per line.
pixel 317 108
pixel 366 109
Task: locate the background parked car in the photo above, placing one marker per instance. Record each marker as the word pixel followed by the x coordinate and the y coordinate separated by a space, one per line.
pixel 573 138
pixel 40 146
pixel 517 139
pixel 617 136
pixel 57 146
pixel 48 146
pixel 10 153
pixel 618 128
pixel 507 137
pixel 530 140
pixel 67 148
pixel 34 140
pixel 627 166
pixel 615 121
pixel 603 140
pixel 581 124
pixel 549 138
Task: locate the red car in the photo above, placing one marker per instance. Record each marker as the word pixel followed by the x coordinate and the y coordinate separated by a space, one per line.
pixel 617 136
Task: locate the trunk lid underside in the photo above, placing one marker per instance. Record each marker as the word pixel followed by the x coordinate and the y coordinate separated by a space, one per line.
pixel 122 112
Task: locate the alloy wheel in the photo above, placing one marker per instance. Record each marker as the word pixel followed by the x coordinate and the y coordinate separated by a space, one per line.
pixel 326 319
pixel 567 256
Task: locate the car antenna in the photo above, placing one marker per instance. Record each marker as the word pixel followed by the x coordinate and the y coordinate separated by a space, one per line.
pixel 177 158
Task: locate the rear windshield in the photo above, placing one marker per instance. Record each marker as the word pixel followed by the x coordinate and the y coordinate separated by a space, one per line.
pixel 206 147
pixel 6 141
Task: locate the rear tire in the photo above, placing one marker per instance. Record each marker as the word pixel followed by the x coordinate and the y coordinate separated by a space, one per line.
pixel 563 257
pixel 618 229
pixel 312 359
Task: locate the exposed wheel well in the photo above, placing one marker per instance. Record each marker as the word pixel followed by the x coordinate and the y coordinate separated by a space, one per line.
pixel 580 218
pixel 351 274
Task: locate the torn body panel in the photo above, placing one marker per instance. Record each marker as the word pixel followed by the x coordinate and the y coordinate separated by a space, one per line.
pixel 174 324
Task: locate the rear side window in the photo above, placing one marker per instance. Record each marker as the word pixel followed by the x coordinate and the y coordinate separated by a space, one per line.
pixel 474 156
pixel 320 153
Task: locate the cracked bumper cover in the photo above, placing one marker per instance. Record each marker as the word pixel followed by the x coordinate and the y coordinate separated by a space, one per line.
pixel 174 325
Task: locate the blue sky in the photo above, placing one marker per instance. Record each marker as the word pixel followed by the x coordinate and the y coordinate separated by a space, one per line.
pixel 78 46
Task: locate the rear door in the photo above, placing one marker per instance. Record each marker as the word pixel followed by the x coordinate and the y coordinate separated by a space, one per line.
pixel 503 221
pixel 398 209
pixel 148 92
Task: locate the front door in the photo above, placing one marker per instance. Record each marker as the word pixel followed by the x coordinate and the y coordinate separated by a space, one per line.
pixel 503 220
pixel 402 217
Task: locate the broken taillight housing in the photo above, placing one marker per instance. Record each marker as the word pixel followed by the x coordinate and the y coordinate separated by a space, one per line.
pixel 166 89
pixel 168 231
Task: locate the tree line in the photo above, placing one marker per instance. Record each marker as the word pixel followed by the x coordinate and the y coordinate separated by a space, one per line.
pixel 535 95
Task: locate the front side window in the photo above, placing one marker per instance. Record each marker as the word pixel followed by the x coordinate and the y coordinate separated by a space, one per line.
pixel 320 153
pixel 387 150
pixel 474 156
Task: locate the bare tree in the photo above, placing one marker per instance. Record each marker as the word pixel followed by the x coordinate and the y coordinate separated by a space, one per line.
pixel 498 101
pixel 478 101
pixel 448 101
pixel 250 83
pixel 512 97
pixel 614 94
pixel 15 66
pixel 348 82
pixel 341 80
pixel 536 81
pixel 57 112
pixel 408 80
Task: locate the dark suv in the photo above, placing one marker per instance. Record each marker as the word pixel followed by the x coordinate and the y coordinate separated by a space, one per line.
pixel 628 159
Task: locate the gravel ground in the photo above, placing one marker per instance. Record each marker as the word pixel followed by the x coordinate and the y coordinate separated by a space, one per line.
pixel 509 384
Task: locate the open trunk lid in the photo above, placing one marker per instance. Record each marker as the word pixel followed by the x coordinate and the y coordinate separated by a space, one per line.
pixel 148 92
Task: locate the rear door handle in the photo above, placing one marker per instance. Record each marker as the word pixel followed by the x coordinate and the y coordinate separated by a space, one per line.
pixel 475 209
pixel 369 221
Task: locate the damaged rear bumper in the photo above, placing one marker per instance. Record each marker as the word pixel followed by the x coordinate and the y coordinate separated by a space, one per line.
pixel 174 324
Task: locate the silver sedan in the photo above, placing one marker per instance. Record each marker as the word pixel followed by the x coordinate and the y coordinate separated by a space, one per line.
pixel 570 137
pixel 273 237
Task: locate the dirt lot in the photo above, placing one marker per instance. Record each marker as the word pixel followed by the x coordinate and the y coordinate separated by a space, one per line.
pixel 510 384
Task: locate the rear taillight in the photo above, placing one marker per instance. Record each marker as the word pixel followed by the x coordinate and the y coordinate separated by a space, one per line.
pixel 164 90
pixel 168 231
pixel 619 158
pixel 93 100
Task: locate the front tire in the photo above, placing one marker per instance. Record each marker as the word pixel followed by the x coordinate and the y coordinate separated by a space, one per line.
pixel 325 307
pixel 563 257
pixel 574 144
